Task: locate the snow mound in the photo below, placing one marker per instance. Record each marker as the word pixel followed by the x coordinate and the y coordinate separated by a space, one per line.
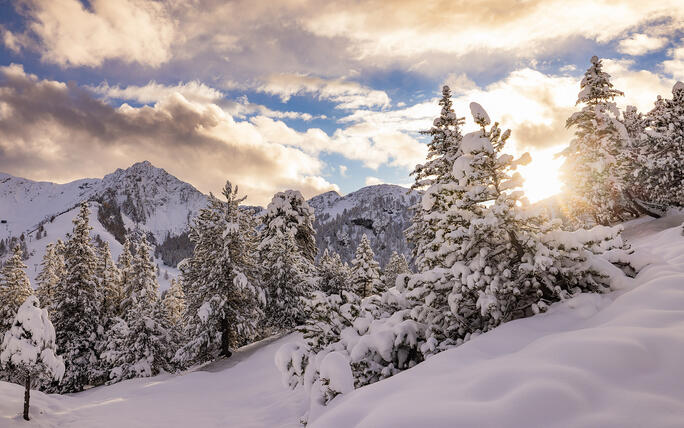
pixel 595 360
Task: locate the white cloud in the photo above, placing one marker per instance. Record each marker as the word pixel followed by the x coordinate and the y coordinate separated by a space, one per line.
pixel 154 92
pixel 343 170
pixel 372 181
pixel 640 44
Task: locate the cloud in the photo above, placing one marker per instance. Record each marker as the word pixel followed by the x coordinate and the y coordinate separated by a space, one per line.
pixel 50 130
pixel 346 94
pixel 640 44
pixel 675 66
pixel 372 181
pixel 343 170
pixel 69 34
pixel 154 92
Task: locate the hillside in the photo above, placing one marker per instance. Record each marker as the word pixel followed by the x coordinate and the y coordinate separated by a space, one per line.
pixel 595 360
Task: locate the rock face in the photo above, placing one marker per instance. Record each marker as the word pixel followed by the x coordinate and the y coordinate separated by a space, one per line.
pixel 152 201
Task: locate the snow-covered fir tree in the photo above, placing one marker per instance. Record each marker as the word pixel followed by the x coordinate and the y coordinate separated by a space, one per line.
pixel 225 302
pixel 77 307
pixel 591 172
pixel 434 176
pixel 286 252
pixel 110 282
pixel 51 272
pixel 503 259
pixel 174 303
pixel 662 153
pixel 15 287
pixel 365 270
pixel 333 275
pixel 140 345
pixel 125 265
pixel 28 349
pixel 397 265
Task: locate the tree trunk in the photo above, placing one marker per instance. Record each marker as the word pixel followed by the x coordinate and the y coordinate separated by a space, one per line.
pixel 27 396
pixel 225 339
pixel 640 207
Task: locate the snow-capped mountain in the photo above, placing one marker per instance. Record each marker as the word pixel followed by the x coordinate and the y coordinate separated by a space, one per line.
pixel 152 201
pixel 381 212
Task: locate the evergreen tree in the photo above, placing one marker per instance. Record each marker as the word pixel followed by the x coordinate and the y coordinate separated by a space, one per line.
pixel 144 345
pixel 224 300
pixel 28 348
pixel 110 283
pixel 77 317
pixel 591 171
pixel 396 266
pixel 14 289
pixel 435 177
pixel 365 270
pixel 125 265
pixel 334 276
pixel 503 259
pixel 662 154
pixel 286 251
pixel 174 304
pixel 52 271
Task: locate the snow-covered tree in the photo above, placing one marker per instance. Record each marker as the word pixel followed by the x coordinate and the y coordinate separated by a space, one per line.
pixel 286 251
pixel 396 266
pixel 434 176
pixel 662 153
pixel 591 171
pixel 110 282
pixel 219 281
pixel 77 306
pixel 365 270
pixel 28 348
pixel 174 303
pixel 14 288
pixel 334 276
pixel 503 259
pixel 51 272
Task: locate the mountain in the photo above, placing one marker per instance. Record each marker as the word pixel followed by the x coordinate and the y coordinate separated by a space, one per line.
pixel 149 200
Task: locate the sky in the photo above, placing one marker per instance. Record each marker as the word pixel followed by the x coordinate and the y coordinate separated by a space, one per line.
pixel 309 95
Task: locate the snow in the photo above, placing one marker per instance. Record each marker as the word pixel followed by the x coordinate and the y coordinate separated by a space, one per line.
pixel 243 391
pixel 479 114
pixel 335 368
pixel 594 360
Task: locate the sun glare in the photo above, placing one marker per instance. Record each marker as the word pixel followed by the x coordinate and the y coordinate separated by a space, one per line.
pixel 542 178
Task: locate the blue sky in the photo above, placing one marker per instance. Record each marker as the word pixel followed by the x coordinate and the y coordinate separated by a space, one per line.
pixel 302 94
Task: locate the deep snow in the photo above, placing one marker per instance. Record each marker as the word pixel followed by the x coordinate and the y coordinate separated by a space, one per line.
pixel 593 361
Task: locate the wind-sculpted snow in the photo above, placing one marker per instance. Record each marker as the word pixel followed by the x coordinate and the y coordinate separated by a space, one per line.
pixel 592 361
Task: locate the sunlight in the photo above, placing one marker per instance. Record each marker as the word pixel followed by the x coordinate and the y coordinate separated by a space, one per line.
pixel 542 177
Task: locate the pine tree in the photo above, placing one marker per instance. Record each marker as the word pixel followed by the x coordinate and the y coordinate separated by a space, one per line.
pixel 503 260
pixel 334 276
pixel 110 283
pixel 144 346
pixel 52 271
pixel 14 288
pixel 125 265
pixel 662 153
pixel 219 281
pixel 591 171
pixel 435 177
pixel 286 251
pixel 396 266
pixel 365 270
pixel 77 317
pixel 174 304
pixel 29 349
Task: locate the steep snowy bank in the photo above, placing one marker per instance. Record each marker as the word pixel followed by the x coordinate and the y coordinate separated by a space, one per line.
pixel 596 360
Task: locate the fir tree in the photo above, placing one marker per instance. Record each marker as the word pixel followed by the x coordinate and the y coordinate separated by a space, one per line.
pixel 110 283
pixel 591 171
pixel 28 348
pixel 77 317
pixel 219 281
pixel 662 153
pixel 365 270
pixel 174 304
pixel 14 289
pixel 435 178
pixel 51 273
pixel 125 265
pixel 396 266
pixel 334 276
pixel 286 251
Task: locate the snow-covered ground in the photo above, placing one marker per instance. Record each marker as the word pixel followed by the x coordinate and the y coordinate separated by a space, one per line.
pixel 594 361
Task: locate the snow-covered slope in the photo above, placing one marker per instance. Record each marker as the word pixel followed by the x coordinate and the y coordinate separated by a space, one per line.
pixel 381 212
pixel 593 361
